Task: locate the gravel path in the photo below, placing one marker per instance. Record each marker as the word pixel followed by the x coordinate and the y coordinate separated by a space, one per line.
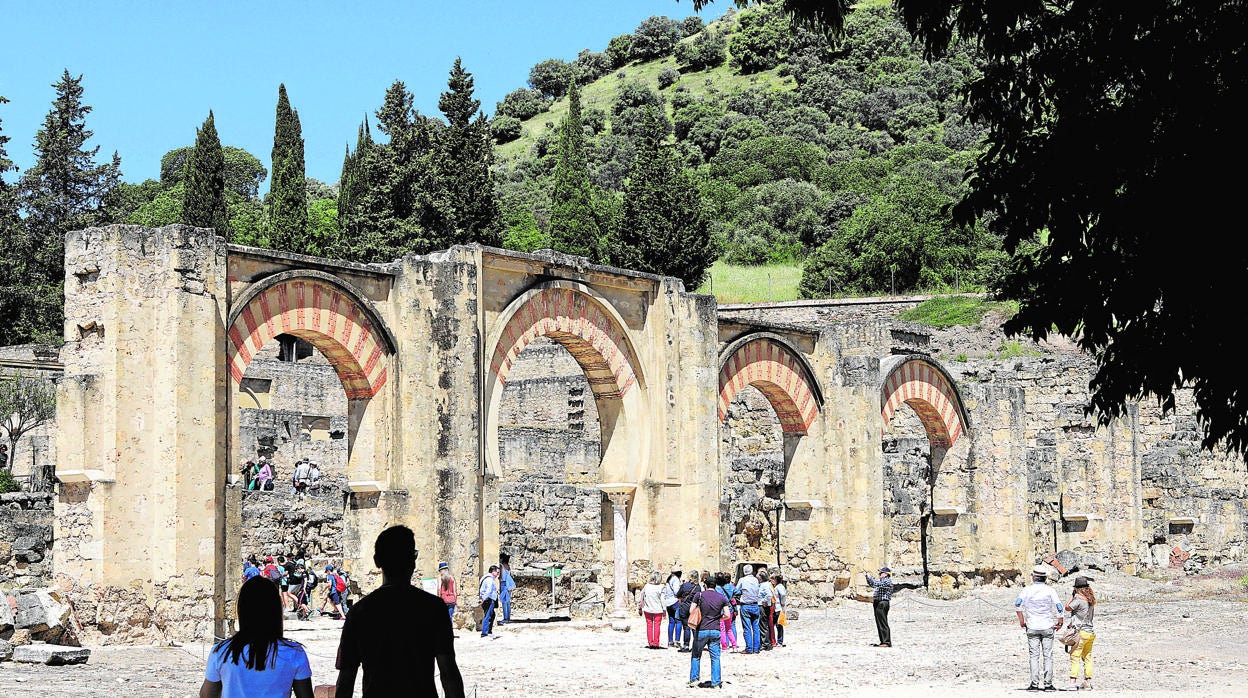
pixel 1184 637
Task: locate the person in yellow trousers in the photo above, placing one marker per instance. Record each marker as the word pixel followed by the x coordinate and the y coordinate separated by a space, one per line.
pixel 1082 608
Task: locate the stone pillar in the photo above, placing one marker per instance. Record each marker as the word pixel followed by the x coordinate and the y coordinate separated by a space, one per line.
pixel 620 494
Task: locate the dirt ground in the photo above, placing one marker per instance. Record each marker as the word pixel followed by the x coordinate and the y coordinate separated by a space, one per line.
pixel 1183 636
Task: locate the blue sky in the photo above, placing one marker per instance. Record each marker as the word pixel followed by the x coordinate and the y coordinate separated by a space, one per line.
pixel 152 70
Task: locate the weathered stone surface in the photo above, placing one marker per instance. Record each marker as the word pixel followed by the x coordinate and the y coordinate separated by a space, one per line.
pixel 6 612
pixel 52 655
pixel 6 650
pixel 41 610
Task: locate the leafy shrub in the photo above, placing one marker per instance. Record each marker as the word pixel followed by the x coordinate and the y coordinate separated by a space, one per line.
pixel 620 49
pixel 551 77
pixel 523 104
pixel 505 128
pixel 590 66
pixel 668 77
pixel 691 25
pixel 762 40
pixel 654 38
pixel 7 483
pixel 708 50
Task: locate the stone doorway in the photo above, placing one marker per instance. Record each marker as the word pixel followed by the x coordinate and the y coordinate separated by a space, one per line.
pixel 550 509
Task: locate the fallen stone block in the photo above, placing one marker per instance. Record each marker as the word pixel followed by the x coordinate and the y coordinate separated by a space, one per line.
pixel 52 655
pixel 41 610
pixel 621 626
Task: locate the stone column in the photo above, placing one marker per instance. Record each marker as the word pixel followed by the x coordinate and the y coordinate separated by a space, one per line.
pixel 620 494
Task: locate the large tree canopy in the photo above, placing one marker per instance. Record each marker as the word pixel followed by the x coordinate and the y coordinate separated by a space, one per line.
pixel 1109 129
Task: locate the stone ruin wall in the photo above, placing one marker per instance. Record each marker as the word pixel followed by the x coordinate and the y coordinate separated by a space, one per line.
pixel 550 509
pixel 26 520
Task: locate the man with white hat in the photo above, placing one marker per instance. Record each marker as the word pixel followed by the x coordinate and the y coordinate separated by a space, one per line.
pixel 1039 613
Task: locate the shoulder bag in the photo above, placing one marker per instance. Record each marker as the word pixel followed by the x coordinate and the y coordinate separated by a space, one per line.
pixel 695 611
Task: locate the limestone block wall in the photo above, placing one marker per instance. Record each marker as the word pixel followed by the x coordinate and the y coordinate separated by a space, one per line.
pixel 25 540
pixel 752 456
pixel 278 522
pixel 137 406
pixel 550 508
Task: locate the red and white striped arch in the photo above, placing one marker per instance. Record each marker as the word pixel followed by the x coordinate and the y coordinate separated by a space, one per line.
pixel 586 329
pixel 779 374
pixel 927 391
pixel 322 313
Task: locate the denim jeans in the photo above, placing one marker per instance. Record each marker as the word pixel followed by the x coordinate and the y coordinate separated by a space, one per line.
pixel 450 607
pixel 706 640
pixel 504 600
pixel 675 629
pixel 1040 653
pixel 487 623
pixel 682 617
pixel 749 626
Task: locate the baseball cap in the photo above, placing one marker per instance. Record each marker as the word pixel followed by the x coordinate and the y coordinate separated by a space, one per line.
pixel 885 569
pixel 329 568
pixel 268 558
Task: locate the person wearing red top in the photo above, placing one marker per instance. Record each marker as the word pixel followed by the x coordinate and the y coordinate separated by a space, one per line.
pixel 446 589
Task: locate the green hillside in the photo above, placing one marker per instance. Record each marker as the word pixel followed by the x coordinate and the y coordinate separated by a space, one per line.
pixel 836 159
pixel 720 80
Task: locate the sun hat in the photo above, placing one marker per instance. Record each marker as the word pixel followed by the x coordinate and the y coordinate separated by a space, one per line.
pixel 1081 582
pixel 1040 571
pixel 443 566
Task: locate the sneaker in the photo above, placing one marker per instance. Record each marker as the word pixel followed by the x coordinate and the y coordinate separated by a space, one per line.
pixel 692 684
pixel 1050 687
pixel 1033 687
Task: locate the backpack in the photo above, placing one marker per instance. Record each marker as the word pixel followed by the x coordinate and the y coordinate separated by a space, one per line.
pixel 312 579
pixel 340 584
pixel 272 572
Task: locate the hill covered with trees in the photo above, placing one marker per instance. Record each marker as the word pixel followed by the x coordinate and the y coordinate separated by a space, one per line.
pixel 839 156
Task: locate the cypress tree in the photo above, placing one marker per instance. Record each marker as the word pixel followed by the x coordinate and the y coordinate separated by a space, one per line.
pixel 663 227
pixel 65 190
pixel 203 199
pixel 464 163
pixel 573 223
pixel 288 197
pixel 12 252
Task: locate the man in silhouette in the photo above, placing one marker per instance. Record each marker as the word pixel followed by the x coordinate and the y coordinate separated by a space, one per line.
pixel 398 631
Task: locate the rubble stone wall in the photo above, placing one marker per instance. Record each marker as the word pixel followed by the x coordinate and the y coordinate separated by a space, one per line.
pixel 25 540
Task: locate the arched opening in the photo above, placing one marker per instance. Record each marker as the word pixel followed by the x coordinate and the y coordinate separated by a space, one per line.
pixel 307 358
pixel 768 399
pixel 565 407
pixel 929 483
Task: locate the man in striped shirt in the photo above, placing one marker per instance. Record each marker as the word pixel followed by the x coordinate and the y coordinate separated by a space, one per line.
pixel 883 595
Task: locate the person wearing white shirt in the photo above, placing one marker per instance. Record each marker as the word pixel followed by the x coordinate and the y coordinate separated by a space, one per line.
pixel 1039 613
pixel 488 593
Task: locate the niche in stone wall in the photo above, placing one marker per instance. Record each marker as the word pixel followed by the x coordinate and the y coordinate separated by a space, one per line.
pixel 928 501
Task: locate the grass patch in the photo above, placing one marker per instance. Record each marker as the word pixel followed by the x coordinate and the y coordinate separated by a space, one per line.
pixel 948 311
pixel 730 283
pixel 1014 349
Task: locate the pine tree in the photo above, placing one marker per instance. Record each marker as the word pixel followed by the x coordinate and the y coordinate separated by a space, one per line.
pixel 12 250
pixel 65 190
pixel 464 162
pixel 288 196
pixel 573 223
pixel 203 201
pixel 663 227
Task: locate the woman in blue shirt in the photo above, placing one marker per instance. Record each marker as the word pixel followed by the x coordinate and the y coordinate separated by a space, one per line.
pixel 257 662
